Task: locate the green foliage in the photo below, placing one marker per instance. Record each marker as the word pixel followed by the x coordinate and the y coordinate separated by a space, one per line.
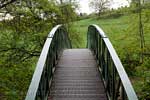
pixel 22 39
pixel 115 13
pixel 145 93
pixel 75 37
pixel 15 80
pixel 100 6
pixel 110 14
pixel 84 16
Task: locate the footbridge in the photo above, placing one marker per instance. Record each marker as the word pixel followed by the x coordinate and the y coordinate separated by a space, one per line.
pixel 93 73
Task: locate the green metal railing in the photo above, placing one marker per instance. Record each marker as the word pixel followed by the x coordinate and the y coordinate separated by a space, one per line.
pixel 116 81
pixel 57 40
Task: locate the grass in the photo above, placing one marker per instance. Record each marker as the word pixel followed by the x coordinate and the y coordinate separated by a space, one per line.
pixel 114 28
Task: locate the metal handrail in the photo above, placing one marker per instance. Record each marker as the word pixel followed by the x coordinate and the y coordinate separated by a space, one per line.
pixel 57 40
pixel 116 81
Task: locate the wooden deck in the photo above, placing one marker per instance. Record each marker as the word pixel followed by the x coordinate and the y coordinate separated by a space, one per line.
pixel 77 77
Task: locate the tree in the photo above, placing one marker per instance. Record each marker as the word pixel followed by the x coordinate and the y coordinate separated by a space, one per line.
pixel 99 5
pixel 141 32
pixel 22 38
pixel 4 3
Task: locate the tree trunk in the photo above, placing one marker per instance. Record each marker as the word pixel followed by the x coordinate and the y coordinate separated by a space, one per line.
pixel 61 1
pixel 99 13
pixel 142 42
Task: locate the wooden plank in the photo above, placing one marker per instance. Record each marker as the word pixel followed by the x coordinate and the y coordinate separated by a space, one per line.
pixel 77 77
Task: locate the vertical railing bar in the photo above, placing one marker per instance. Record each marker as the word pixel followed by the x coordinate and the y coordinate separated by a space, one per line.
pixel 103 60
pixel 96 44
pixel 122 92
pixel 99 50
pixel 107 68
pixel 114 80
pixel 118 87
pixel 101 53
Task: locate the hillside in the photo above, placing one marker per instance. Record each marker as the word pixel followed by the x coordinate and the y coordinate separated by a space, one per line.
pixel 126 42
